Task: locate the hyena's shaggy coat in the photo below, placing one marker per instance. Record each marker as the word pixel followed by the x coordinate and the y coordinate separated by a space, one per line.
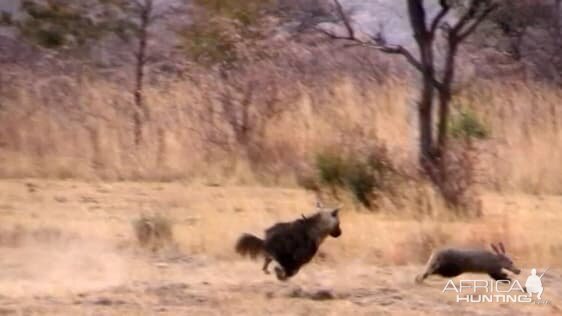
pixel 452 262
pixel 291 244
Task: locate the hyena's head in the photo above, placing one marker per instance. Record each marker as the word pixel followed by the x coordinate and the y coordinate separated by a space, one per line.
pixel 327 221
pixel 503 258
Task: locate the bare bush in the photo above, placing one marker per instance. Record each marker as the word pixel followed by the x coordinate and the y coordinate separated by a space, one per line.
pixel 463 178
pixel 153 232
pixel 529 31
pixel 12 237
pixel 19 235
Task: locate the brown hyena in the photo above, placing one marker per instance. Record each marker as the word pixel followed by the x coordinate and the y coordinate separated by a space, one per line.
pixel 292 244
pixel 452 262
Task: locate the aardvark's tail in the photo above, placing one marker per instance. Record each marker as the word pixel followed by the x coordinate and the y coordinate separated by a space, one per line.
pixel 250 245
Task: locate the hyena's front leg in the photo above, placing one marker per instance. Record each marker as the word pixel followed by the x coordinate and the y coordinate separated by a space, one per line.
pixel 280 273
pixel 266 264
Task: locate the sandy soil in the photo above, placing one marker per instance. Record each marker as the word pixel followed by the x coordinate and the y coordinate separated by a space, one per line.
pixel 67 249
pixel 198 286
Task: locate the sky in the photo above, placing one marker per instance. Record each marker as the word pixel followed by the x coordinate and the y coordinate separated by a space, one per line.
pixel 9 5
pixel 388 16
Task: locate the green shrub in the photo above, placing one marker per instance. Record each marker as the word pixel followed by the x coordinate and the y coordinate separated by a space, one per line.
pixel 331 168
pixel 465 124
pixel 208 44
pixel 361 176
pixel 247 12
pixel 360 180
pixel 48 38
pixel 6 18
pixel 56 25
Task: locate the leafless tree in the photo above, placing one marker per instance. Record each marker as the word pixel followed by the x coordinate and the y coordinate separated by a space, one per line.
pixel 143 10
pixel 425 29
pixel 242 104
pixel 139 16
pixel 557 53
pixel 515 18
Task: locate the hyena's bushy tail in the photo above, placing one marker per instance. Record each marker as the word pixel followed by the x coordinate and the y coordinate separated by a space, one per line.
pixel 250 245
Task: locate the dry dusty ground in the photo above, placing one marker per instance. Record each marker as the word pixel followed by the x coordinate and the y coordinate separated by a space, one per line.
pixel 67 248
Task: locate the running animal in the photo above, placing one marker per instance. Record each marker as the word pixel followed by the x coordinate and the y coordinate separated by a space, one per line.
pixel 292 244
pixel 452 262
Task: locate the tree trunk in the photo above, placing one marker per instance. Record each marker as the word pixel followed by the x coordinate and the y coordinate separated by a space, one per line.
pixel 445 96
pixel 141 112
pixel 558 22
pixel 425 116
pixel 432 151
pixel 424 41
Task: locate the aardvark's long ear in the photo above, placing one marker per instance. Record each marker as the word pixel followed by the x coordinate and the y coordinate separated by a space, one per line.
pixel 502 248
pixel 319 205
pixel 303 217
pixel 496 250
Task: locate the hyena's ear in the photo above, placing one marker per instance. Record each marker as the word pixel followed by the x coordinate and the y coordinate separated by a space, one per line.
pixel 496 250
pixel 502 248
pixel 335 212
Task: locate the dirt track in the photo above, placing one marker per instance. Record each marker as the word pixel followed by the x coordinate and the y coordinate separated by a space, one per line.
pixel 67 249
pixel 182 285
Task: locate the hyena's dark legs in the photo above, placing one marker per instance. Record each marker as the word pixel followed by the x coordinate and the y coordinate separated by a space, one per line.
pixel 266 263
pixel 283 273
pixel 500 276
pixel 280 273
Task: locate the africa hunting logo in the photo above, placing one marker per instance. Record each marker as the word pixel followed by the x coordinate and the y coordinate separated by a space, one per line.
pixel 500 291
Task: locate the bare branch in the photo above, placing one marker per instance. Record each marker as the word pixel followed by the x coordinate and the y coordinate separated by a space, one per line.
pixel 376 43
pixel 398 49
pixel 445 7
pixel 140 5
pixel 477 11
pixel 466 17
pixel 477 21
pixel 345 19
pixel 335 36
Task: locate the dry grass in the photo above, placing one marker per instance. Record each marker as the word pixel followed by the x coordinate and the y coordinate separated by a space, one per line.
pixel 60 238
pixel 75 251
pixel 525 120
pixel 83 129
pixel 208 220
pixel 153 232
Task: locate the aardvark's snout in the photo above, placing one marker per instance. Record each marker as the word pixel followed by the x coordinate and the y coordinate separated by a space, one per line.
pixel 515 270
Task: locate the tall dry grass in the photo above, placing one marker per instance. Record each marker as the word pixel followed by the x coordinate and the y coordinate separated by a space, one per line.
pixel 525 121
pixel 82 128
pixel 206 221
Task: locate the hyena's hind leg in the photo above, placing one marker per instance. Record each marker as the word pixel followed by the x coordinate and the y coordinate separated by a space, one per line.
pixel 266 263
pixel 430 268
